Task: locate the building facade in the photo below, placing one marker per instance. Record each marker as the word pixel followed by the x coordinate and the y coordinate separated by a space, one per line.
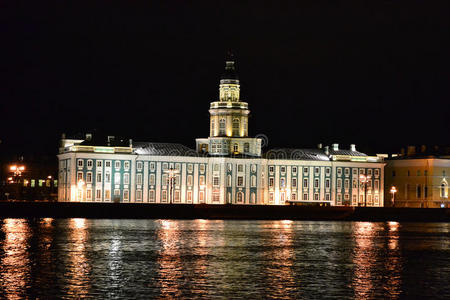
pixel 228 167
pixel 420 178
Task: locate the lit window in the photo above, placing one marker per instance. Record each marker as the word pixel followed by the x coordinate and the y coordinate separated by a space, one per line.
pixel 236 124
pixel 202 180
pixel 164 196
pixel 89 194
pixel 107 195
pixel 117 178
pixel 271 197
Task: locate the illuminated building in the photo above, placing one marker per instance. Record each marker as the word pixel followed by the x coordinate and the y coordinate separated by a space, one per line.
pixel 420 176
pixel 228 167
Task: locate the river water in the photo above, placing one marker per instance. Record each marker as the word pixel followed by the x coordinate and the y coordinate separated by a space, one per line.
pixel 216 259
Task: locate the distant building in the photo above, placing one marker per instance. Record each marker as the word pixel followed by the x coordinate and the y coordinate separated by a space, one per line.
pixel 420 176
pixel 228 167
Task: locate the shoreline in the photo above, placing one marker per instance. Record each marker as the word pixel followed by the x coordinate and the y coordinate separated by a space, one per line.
pixel 225 212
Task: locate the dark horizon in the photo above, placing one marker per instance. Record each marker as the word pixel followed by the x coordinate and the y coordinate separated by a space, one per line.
pixel 373 74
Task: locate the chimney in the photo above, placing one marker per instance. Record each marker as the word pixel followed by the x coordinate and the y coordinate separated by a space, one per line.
pixel 335 147
pixel 423 148
pixel 327 150
pixel 88 136
pixel 411 150
pixel 319 146
pixel 353 147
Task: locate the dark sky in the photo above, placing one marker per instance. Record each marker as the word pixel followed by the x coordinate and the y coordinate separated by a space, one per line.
pixel 373 73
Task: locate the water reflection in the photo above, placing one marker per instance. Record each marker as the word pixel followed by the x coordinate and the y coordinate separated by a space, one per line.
pixel 393 262
pixel 169 259
pixel 79 268
pixel 363 258
pixel 15 260
pixel 280 257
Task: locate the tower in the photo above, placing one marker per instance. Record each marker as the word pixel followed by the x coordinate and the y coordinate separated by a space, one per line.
pixel 229 120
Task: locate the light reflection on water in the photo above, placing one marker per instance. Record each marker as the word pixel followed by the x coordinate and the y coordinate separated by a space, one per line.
pixel 78 258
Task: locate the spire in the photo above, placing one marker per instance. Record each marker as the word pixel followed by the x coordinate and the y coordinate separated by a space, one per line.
pixel 230 68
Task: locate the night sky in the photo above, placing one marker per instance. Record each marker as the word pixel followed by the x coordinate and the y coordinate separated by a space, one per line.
pixel 373 73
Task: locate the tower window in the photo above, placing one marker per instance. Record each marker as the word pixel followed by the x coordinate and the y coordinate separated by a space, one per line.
pixel 222 127
pixel 236 124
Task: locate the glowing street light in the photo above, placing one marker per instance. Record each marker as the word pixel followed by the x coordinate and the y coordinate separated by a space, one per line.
pixel 364 179
pixel 393 191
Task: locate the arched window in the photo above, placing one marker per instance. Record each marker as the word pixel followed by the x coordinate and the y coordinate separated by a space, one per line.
pixel 444 190
pixel 212 127
pixel 235 148
pixel 240 197
pixel 222 127
pixel 236 127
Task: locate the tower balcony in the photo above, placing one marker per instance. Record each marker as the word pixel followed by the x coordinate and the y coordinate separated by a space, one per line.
pixel 229 104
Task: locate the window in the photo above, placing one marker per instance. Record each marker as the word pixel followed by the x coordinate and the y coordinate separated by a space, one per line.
pixel 212 128
pixel 294 182
pixel 117 164
pixel 339 171
pixel 236 127
pixel 444 190
pixel 282 197
pixel 282 183
pixel 215 197
pixel 294 170
pixel 418 191
pixel 346 197
pixel 240 197
pixel 139 179
pixel 339 183
pixel 99 177
pixel 152 166
pixel 305 196
pixel 355 183
pixel 316 171
pixel 339 199
pixel 305 171
pixel 376 184
pixel 235 148
pixel 189 180
pixel 89 177
pixel 116 192
pixel 189 196
pixel 177 196
pixel 90 163
pixel 98 195
pixel 151 196
pixel 246 147
pixel 202 168
pixel 240 181
pixel 346 172
pixel 253 168
pixel 253 181
pixel 328 171
pixel 361 171
pixel 117 178
pixel 89 194
pixel 305 182
pixel 355 172
pixel 327 183
pixel 316 183
pixel 229 180
pixel 346 184
pixel 80 163
pixel 139 165
pixel 139 195
pixel 107 195
pixel 202 180
pixel 216 181
pixel 240 168
pixel 126 165
pixel 152 179
pixel 327 197
pixel 271 168
pixel 126 178
pixel 294 196
pixel 201 197
pixel 216 167
pixel 271 181
pixel 165 180
pixel 271 197
pixel 354 200
pixel 164 196
pixel 107 177
pixel 79 176
pixel 369 172
pixel 99 163
pixel 222 127
pixel 108 164
pixel 425 191
pixel 376 172
pixel 283 169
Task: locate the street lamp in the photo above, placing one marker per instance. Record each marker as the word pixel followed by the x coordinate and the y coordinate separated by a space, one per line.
pixel 172 176
pixel 17 171
pixel 364 179
pixel 393 191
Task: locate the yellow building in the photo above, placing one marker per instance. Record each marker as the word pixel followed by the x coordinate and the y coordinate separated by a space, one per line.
pixel 420 179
